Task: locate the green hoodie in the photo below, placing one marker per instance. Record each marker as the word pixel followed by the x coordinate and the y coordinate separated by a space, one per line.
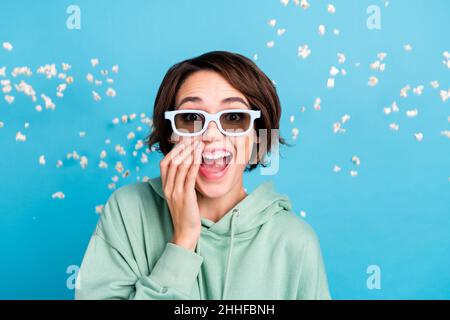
pixel 258 250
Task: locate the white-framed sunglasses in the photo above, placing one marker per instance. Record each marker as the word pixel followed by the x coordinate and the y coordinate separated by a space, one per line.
pixel 231 122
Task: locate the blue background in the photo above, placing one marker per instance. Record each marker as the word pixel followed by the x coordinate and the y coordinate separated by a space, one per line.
pixel 395 214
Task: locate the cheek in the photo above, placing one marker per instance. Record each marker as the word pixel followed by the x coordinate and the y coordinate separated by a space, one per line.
pixel 243 150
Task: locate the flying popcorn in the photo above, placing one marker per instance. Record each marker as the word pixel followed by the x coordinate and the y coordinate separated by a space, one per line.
pixel 444 95
pixel 407 47
pixel 131 135
pixel 331 9
pixel 42 160
pixel 103 154
pixel 9 99
pixel 334 71
pixel 294 133
pixel 20 137
pixel 345 118
pixel 49 70
pixel 102 165
pixel 99 209
pixel 94 62
pixel 304 4
pixel 356 160
pixel 373 81
pixel 270 44
pixel 412 113
pixel 341 58
pixel 90 77
pixel 418 90
pixel 83 162
pixel 59 163
pixel 291 119
pixel 404 91
pixel 353 173
pixel 82 134
pixel 2 124
pixel 281 31
pixel 446 133
pixel 321 30
pixel 394 126
pixel 304 51
pixel 48 102
pixel 96 96
pixel 317 104
pixel 3 72
pixel 303 214
pixel 434 84
pixel 110 92
pixel 58 195
pixel 24 71
pixel 330 83
pixel 336 32
pixel 272 22
pixel 7 46
pixel 336 168
pixel 284 2
pixel 418 136
pixel 381 56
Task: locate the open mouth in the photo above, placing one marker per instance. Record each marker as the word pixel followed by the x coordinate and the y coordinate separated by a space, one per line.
pixel 215 163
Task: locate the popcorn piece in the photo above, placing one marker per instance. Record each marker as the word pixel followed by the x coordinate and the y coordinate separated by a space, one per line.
pixel 341 58
pixel 7 46
pixel 373 81
pixel 381 56
pixel 404 91
pixel 394 126
pixel 38 108
pixel 446 133
pixel 418 136
pixel 304 4
pixel 407 47
pixel 270 44
pixel 9 99
pixel 99 209
pixel 103 165
pixel 58 195
pixel 94 62
pixel 48 102
pixel 82 134
pixel 21 137
pixel 331 9
pixel 353 173
pixel 3 72
pixel 284 2
pixel 90 77
pixel 304 51
pixel 356 160
pixel 295 133
pixel 25 71
pixel 418 90
pixel 303 214
pixel 103 154
pixel 345 118
pixel 330 83
pixel 336 32
pixel 119 167
pixel 42 160
pixel 336 168
pixel 317 104
pixel 334 71
pixel 96 96
pixel 412 113
pixel 59 164
pixel 83 162
pixel 444 95
pixel 272 22
pixel 434 84
pixel 124 118
pixel 321 30
pixel 2 124
pixel 144 158
pixel 291 119
pixel 131 135
pixel 281 31
pixel 115 68
pixel 111 92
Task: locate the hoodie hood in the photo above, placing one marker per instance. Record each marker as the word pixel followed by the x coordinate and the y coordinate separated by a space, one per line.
pixel 258 207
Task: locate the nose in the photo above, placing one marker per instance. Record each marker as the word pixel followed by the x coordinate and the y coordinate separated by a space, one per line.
pixel 212 133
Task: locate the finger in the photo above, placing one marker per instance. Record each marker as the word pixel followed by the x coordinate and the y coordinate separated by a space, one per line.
pixel 165 162
pixel 173 166
pixel 193 170
pixel 183 169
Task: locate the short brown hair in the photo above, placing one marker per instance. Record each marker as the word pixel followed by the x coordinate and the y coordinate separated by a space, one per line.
pixel 241 73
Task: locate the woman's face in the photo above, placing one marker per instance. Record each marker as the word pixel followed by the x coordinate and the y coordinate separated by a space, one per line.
pixel 210 92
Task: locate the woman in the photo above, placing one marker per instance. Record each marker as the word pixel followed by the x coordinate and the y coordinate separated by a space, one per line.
pixel 194 232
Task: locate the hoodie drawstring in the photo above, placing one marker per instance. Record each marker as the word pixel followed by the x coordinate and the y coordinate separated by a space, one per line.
pixel 235 214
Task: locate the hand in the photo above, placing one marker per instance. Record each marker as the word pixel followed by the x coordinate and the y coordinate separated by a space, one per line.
pixel 179 170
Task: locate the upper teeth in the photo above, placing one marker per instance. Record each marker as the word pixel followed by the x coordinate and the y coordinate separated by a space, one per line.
pixel 215 155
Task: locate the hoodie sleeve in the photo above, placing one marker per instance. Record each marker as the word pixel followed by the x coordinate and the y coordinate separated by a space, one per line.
pixel 109 271
pixel 313 279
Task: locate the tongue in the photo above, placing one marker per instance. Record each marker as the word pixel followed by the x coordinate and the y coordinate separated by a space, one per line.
pixel 214 165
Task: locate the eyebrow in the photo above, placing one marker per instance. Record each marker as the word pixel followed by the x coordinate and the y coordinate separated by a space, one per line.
pixel 226 100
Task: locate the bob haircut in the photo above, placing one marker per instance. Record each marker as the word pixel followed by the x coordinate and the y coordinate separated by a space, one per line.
pixel 242 74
